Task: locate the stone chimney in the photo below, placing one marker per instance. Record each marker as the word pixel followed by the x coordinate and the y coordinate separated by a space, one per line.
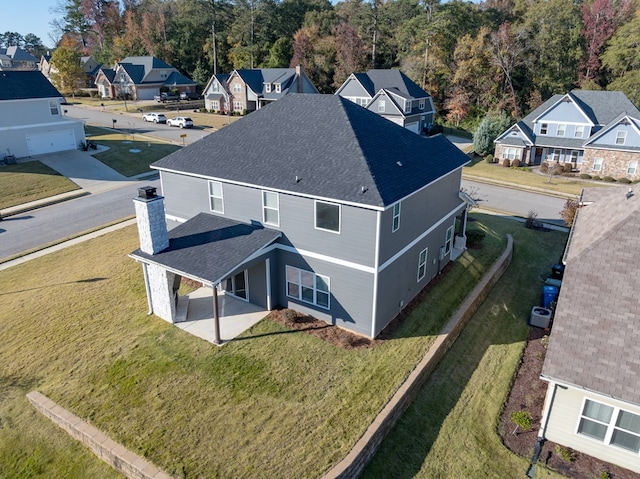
pixel 152 226
pixel 299 78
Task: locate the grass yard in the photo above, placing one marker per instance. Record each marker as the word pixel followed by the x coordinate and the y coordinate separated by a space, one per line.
pixel 120 158
pixel 450 430
pixel 274 403
pixel 524 176
pixel 30 181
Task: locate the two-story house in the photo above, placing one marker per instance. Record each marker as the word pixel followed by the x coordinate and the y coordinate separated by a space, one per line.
pixel 15 58
pixel 392 95
pixel 250 90
pixel 311 203
pixel 141 78
pixel 32 120
pixel 592 363
pixel 597 132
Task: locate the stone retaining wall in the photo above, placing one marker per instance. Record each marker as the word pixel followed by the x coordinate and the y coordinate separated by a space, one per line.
pixel 355 462
pixel 117 456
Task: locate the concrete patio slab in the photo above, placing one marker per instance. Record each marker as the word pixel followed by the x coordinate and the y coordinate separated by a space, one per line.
pixel 236 315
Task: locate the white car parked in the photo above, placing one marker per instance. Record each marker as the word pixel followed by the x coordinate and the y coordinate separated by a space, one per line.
pixel 155 117
pixel 181 121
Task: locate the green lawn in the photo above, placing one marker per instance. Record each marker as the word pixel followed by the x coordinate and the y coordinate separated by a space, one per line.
pixel 30 181
pixel 450 430
pixel 274 403
pixel 524 176
pixel 120 158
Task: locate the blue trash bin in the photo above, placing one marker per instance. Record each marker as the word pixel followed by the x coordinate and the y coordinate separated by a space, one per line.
pixel 549 294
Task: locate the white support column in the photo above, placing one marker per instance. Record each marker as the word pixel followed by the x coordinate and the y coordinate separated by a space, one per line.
pixel 268 268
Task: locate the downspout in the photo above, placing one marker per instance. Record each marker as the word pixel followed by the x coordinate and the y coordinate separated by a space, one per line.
pixel 544 420
pixel 147 288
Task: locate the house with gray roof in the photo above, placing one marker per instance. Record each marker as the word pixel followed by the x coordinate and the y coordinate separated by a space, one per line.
pixel 32 120
pixel 141 78
pixel 311 203
pixel 597 132
pixel 247 90
pixel 592 363
pixel 392 95
pixel 15 58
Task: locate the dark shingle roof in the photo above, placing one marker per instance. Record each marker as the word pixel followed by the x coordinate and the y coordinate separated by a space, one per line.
pixel 24 84
pixel 336 148
pixel 177 78
pixel 109 73
pixel 18 54
pixel 209 247
pixel 395 79
pixel 595 341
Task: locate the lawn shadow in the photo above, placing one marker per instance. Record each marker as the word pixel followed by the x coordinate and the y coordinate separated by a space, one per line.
pixel 80 281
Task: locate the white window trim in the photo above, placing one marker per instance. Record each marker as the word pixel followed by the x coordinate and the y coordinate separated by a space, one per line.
pixel 315 216
pixel 215 105
pixel 546 129
pixel 561 129
pixel 315 287
pixel 382 106
pixel 237 88
pixel 396 216
pixel 448 240
pixel 278 88
pixel 238 106
pixel 599 162
pixel 421 104
pixel 621 137
pixel 267 87
pixel 54 108
pixel 611 426
pixel 579 131
pixel 635 168
pixel 265 208
pixel 407 106
pixel 212 196
pixel 422 264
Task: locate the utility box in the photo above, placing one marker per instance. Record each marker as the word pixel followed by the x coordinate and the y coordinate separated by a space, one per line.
pixel 540 317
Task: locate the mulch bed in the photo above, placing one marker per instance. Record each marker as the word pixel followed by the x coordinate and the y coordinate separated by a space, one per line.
pixel 527 394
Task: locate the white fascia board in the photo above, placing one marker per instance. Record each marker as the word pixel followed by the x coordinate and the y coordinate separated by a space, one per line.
pixel 570 97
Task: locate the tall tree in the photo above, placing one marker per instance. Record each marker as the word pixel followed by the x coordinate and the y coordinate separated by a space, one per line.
pixel 622 59
pixel 317 54
pixel 67 74
pixel 34 45
pixel 8 39
pixel 351 54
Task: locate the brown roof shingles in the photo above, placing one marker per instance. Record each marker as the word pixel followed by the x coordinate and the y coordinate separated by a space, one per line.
pixel 595 341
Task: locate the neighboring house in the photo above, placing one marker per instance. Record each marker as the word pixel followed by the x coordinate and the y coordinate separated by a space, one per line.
pixel 141 78
pixel 89 65
pixel 15 58
pixel 32 120
pixel 312 203
pixel 593 358
pixel 392 95
pixel 252 89
pixel 597 132
pixel 44 65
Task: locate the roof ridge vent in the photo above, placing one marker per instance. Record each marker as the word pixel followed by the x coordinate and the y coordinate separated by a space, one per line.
pixel 399 163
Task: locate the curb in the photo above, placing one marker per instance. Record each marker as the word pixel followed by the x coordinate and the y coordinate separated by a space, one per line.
pixel 515 186
pixel 34 205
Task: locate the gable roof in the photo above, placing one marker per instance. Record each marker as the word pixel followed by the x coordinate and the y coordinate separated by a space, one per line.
pixel 333 147
pixel 257 78
pixel 109 74
pixel 26 84
pixel 595 341
pixel 622 118
pixel 395 80
pixel 139 68
pixel 18 54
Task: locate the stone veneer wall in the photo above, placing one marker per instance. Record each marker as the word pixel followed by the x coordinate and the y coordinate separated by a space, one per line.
pixel 161 292
pixel 152 225
pixel 524 153
pixel 117 456
pixel 614 163
pixel 355 462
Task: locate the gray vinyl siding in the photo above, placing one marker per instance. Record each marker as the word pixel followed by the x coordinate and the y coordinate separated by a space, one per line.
pixel 258 284
pixel 418 213
pixel 398 282
pixel 351 290
pixel 563 423
pixel 187 196
pixel 353 88
pixel 632 140
pixel 563 112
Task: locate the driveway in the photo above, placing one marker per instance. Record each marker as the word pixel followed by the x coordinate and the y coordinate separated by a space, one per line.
pixel 84 170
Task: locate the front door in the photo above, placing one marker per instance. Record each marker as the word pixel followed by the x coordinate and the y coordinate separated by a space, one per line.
pixel 237 285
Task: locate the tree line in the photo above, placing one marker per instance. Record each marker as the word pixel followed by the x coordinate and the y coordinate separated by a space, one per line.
pixel 499 55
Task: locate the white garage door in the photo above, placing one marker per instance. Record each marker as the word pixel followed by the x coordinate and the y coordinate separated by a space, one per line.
pixel 50 142
pixel 413 127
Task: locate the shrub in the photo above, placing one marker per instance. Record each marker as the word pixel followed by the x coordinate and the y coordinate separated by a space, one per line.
pixel 544 167
pixel 506 163
pixel 474 236
pixel 203 110
pixel 605 475
pixel 568 213
pixel 245 112
pixel 522 420
pixel 488 130
pixel 531 219
pixel 567 168
pixel 624 180
pixel 515 164
pixel 596 177
pixel 489 158
pixel 608 179
pixel 564 452
pixel 585 176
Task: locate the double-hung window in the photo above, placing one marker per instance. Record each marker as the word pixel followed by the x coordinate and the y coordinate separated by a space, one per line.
pixel 621 137
pixel 215 105
pixel 422 264
pixel 53 107
pixel 611 425
pixel 237 106
pixel 448 242
pixel 309 287
pixel 561 130
pixel 579 132
pixel 327 216
pixel 544 127
pixel 396 217
pixel 597 164
pixel 421 104
pixel 407 106
pixel 278 88
pixel 632 167
pixel 267 87
pixel 237 88
pixel 381 106
pixel 216 200
pixel 271 208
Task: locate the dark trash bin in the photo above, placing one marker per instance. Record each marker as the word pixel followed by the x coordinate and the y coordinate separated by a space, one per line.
pixel 557 271
pixel 549 295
